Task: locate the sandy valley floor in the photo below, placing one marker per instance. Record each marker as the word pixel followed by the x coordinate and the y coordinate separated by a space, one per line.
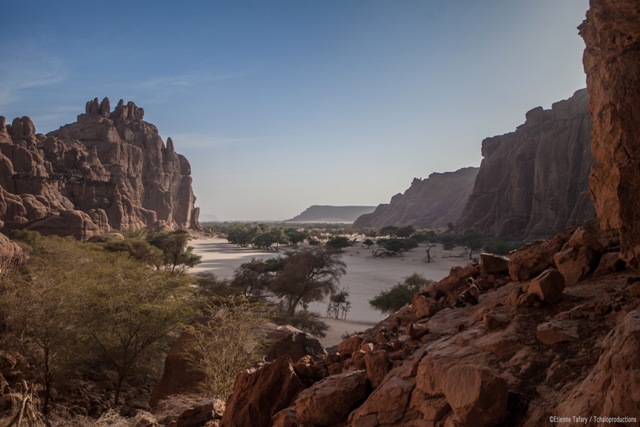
pixel 366 276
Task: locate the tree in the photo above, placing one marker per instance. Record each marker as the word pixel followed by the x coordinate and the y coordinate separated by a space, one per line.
pixel 368 243
pixel 399 295
pixel 177 255
pixel 307 276
pixel 129 312
pixel 253 278
pixel 339 242
pixel 389 230
pixel 397 246
pixel 405 231
pixel 242 234
pixel 471 241
pixel 38 307
pixel 428 251
pixel 294 236
pixel 339 305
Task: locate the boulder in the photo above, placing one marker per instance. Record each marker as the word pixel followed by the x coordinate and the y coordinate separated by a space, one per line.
pixel 557 331
pixel 328 401
pixel 377 364
pixel 11 254
pixel 533 258
pixel 494 264
pixel 548 286
pixel 477 396
pixel 259 394
pixel 386 405
pixel 289 341
pixel 424 306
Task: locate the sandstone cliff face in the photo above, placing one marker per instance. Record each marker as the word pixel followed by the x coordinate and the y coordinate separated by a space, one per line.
pixel 107 170
pixel 612 62
pixel 533 182
pixel 434 201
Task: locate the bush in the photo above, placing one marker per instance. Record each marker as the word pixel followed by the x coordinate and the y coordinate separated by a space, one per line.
pixel 399 295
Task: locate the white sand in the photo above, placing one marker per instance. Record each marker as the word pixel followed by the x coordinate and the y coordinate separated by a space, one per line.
pixel 366 276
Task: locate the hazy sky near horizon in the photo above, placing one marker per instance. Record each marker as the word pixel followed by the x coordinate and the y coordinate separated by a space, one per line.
pixel 282 104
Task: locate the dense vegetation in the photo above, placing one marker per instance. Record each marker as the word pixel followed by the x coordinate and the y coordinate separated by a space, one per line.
pixel 400 294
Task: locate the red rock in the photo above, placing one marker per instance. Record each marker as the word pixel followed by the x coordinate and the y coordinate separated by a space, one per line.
pixel 609 262
pixel 377 364
pixel 258 395
pixel 386 405
pixel 328 401
pixel 494 264
pixel 611 33
pixel 424 307
pixel 113 168
pixel 548 286
pixel 350 345
pixel 286 418
pixel 556 331
pixel 533 258
pixel 477 396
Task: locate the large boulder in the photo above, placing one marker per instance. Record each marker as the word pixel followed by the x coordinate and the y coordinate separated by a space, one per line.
pixel 477 396
pixel 328 401
pixel 259 394
pixel 548 286
pixel 11 254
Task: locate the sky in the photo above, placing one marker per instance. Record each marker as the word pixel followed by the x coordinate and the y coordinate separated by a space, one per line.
pixel 283 104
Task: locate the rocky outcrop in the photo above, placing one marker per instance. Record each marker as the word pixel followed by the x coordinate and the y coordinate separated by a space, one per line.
pixel 317 213
pixel 10 254
pixel 107 170
pixel 533 182
pixel 435 201
pixel 612 63
pixel 556 351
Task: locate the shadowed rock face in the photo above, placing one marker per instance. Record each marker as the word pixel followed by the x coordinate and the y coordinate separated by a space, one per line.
pixel 534 182
pixel 107 170
pixel 612 63
pixel 435 201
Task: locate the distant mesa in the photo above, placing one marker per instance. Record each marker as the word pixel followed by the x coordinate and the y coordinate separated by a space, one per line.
pixel 108 170
pixel 433 202
pixel 331 214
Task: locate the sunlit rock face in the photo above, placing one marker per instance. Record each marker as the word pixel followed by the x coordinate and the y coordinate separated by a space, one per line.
pixel 534 182
pixel 434 201
pixel 107 170
pixel 612 63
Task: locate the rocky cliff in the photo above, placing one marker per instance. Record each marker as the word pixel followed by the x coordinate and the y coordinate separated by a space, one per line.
pixel 109 170
pixel 612 62
pixel 533 182
pixel 434 201
pixel 318 213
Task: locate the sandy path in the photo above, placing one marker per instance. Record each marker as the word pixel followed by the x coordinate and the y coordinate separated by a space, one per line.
pixel 366 276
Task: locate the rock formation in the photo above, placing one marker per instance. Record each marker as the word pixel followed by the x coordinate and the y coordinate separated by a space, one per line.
pixel 530 349
pixel 612 62
pixel 338 214
pixel 435 201
pixel 533 182
pixel 107 170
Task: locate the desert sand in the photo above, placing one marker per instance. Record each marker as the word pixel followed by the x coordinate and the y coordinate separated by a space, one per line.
pixel 366 276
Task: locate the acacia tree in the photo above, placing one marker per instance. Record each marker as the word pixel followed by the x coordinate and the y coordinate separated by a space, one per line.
pixel 130 311
pixel 174 246
pixel 308 275
pixel 38 307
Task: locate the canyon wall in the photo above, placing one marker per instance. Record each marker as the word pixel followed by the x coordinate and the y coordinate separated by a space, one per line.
pixel 533 182
pixel 612 63
pixel 434 201
pixel 109 170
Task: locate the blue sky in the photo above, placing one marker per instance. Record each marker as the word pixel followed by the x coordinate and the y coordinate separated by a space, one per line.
pixel 279 104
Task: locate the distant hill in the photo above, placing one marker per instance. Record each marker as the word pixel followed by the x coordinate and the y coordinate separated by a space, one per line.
pixel 317 213
pixel 434 201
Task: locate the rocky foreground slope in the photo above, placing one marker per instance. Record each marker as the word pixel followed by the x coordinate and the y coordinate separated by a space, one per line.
pixel 553 335
pixel 109 170
pixel 434 202
pixel 533 182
